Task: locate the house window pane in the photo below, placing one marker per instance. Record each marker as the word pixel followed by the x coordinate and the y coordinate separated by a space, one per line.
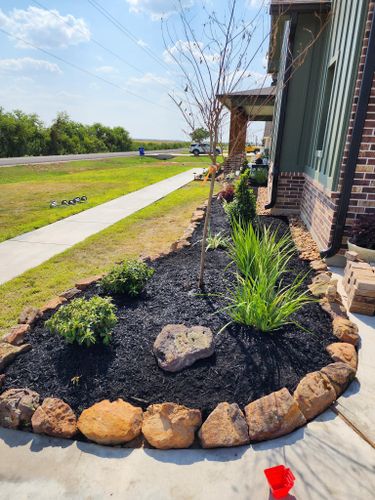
pixel 325 109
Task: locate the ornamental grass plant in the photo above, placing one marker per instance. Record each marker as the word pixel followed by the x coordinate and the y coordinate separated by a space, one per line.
pixel 260 298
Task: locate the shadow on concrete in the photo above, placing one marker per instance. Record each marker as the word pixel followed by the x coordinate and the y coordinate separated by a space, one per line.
pixel 191 456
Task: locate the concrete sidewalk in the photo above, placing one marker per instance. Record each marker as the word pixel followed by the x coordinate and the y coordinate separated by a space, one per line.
pixel 28 250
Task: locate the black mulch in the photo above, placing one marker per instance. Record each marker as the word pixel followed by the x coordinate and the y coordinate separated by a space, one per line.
pixel 246 365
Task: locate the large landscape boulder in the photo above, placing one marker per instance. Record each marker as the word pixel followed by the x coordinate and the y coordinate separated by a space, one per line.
pixel 9 352
pixel 273 416
pixel 314 394
pixel 342 351
pixel 17 407
pixel 225 426
pixel 169 425
pixel 345 330
pixel 340 375
pixel 111 423
pixel 179 346
pixel 55 418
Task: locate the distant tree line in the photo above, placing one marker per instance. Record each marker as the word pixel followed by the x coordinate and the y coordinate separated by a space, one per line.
pixel 24 134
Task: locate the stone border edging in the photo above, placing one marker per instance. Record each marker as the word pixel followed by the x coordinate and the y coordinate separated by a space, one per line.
pixel 172 426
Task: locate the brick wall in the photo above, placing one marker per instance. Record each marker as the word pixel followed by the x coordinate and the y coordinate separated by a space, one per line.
pixel 297 192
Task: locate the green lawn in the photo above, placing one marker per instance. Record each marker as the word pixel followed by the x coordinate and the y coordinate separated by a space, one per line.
pixel 26 191
pixel 147 232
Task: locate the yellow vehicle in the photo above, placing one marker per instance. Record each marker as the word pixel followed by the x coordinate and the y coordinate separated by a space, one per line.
pixel 252 149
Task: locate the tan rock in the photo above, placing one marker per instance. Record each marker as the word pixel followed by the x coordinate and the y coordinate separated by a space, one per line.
pixel 340 375
pixel 17 407
pixel 314 394
pixel 179 346
pixel 8 353
pixel 169 425
pixel 334 308
pixel 225 426
pixel 54 418
pixel 111 423
pixel 17 334
pixel 331 292
pixel 320 284
pixel 86 282
pixel 70 293
pixel 273 416
pixel 341 351
pixel 52 304
pixel 345 330
pixel 318 265
pixel 29 315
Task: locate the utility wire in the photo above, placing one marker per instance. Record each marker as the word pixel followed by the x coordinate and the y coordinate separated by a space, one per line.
pixel 83 70
pixel 126 32
pixel 99 44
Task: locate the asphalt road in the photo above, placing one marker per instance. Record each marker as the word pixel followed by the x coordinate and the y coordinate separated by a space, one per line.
pixel 32 160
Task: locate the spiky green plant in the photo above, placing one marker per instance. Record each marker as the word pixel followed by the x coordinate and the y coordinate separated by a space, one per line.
pixel 259 297
pixel 217 240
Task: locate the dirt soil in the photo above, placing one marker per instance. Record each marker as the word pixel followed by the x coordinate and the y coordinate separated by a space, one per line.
pixel 247 364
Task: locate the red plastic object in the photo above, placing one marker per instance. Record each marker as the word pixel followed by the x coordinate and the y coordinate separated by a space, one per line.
pixel 280 479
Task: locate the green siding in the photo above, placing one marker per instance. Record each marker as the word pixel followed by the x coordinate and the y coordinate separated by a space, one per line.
pixel 339 44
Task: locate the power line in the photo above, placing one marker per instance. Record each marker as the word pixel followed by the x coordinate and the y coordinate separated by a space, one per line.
pixel 83 70
pixel 99 44
pixel 126 32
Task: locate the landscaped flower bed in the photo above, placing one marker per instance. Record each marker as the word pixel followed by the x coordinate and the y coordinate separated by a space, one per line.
pixel 247 364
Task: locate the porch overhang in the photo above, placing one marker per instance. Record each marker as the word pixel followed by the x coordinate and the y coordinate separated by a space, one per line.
pixel 255 104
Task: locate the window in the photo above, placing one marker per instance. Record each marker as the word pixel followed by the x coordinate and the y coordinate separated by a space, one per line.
pixel 325 108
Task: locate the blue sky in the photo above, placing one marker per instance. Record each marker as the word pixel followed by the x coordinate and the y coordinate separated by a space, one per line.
pixel 35 81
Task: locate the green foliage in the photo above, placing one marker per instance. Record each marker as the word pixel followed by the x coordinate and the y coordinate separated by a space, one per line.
pixel 199 134
pixel 22 134
pixel 154 145
pixel 84 321
pixel 129 277
pixel 259 298
pixel 260 176
pixel 243 208
pixel 215 241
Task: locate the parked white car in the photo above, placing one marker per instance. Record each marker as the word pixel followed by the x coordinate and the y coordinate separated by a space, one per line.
pixel 202 148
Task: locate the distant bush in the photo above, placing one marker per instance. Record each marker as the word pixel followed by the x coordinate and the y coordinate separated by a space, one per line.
pixel 84 321
pixel 129 278
pixel 155 145
pixel 227 193
pixel 260 176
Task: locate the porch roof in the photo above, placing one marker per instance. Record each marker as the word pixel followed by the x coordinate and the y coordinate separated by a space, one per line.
pixel 256 103
pixel 278 6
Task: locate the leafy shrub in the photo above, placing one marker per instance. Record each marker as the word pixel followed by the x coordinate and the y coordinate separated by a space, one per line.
pixel 260 176
pixel 129 277
pixel 259 298
pixel 215 241
pixel 226 194
pixel 84 321
pixel 243 208
pixel 364 232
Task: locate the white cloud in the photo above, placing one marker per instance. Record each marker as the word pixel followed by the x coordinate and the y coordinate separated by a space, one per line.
pixel 27 65
pixel 44 28
pixel 257 4
pixel 106 70
pixel 192 48
pixel 149 78
pixel 157 9
pixel 142 43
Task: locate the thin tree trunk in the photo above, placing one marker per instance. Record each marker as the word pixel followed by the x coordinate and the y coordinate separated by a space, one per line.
pixel 205 230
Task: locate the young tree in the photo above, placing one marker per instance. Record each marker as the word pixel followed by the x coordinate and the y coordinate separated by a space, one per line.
pixel 200 134
pixel 214 60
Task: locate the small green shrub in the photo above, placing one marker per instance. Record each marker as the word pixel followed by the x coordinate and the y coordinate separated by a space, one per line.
pixel 84 321
pixel 129 277
pixel 243 208
pixel 215 241
pixel 260 176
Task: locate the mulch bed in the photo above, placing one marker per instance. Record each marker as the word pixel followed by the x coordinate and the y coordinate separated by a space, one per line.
pixel 246 365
